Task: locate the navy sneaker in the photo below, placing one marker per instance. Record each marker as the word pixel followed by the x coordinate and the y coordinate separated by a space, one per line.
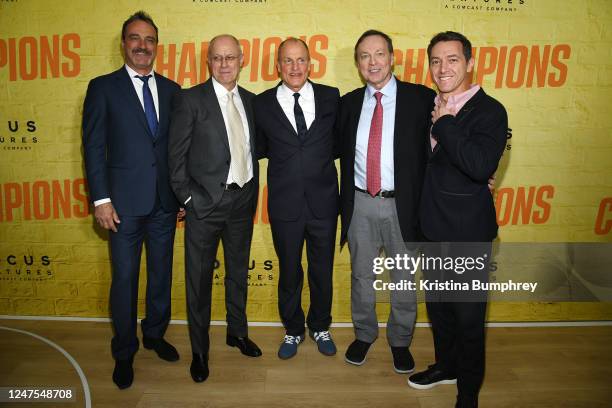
pixel 325 344
pixel 289 347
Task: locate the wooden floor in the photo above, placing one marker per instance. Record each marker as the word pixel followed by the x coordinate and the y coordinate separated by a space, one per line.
pixel 526 367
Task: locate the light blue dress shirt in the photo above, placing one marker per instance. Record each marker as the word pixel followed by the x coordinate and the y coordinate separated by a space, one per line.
pixel 389 92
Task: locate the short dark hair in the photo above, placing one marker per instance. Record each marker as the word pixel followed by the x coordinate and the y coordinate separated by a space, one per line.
pixel 370 33
pixel 291 39
pixel 451 36
pixel 139 15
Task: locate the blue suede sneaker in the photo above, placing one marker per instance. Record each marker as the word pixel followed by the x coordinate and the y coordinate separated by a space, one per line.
pixel 289 347
pixel 324 342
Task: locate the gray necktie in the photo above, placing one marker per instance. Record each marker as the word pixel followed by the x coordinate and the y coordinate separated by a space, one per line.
pixel 237 142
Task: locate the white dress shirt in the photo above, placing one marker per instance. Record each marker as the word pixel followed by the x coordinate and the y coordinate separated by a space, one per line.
pixel 138 85
pixel 389 91
pixel 285 98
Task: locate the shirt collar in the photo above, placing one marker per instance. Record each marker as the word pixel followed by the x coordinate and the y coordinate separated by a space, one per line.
pixel 133 73
pixel 389 90
pixel 222 91
pixel 306 92
pixel 457 101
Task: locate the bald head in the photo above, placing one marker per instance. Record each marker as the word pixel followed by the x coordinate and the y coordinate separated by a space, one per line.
pixel 226 37
pixel 225 60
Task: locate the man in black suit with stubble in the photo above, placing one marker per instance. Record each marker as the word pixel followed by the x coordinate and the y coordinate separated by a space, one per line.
pixel 125 141
pixel 295 131
pixel 215 173
pixel 383 128
pixel 457 212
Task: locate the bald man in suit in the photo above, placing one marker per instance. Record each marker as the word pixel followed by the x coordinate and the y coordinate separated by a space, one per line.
pixel 214 172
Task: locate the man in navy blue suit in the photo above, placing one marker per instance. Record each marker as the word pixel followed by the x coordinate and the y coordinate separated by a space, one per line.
pixel 125 138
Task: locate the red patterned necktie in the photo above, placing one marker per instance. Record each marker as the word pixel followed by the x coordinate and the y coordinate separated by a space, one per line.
pixel 374 146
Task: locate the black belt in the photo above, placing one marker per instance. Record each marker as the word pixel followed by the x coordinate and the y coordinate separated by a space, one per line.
pixel 381 193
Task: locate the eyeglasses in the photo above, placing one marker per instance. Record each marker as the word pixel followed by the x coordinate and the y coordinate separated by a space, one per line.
pixel 229 59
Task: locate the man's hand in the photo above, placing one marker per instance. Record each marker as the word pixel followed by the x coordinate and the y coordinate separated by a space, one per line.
pixel 491 183
pixel 107 216
pixel 181 214
pixel 441 110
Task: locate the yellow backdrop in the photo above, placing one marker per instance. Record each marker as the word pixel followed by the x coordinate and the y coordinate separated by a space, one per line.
pixel 548 62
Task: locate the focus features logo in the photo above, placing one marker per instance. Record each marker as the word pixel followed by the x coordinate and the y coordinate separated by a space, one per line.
pixel 18 135
pixel 24 267
pixel 261 273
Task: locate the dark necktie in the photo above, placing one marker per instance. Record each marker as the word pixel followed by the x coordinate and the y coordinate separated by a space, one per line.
pixel 300 122
pixel 374 147
pixel 149 106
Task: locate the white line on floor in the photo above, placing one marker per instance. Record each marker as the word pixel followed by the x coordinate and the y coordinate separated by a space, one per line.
pixel 585 323
pixel 76 365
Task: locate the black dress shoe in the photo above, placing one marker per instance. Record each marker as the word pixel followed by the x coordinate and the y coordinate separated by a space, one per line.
pixel 199 367
pixel 434 375
pixel 403 363
pixel 164 350
pixel 123 374
pixel 356 352
pixel 246 346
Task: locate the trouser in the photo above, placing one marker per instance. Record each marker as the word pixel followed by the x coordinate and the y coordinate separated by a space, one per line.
pixel 458 317
pixel 156 231
pixel 231 222
pixel 374 228
pixel 289 237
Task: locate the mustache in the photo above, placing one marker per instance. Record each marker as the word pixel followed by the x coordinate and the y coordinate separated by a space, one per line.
pixel 143 50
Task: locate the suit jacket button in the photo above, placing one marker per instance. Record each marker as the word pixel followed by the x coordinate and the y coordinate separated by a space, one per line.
pixel 222 184
pixel 153 165
pixel 227 162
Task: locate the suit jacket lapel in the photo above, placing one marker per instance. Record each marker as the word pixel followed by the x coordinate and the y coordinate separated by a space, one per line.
pixel 401 107
pixel 318 98
pixel 248 109
pixel 354 115
pixel 124 82
pixel 278 110
pixel 469 106
pixel 162 96
pixel 209 98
